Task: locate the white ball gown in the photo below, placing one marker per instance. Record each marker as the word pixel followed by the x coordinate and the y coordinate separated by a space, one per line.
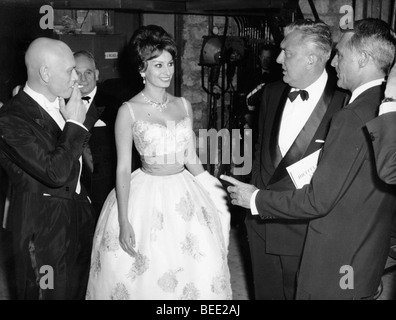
pixel 181 236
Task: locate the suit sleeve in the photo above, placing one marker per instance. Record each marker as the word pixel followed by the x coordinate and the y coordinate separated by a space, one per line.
pixel 50 164
pixel 343 153
pixel 383 135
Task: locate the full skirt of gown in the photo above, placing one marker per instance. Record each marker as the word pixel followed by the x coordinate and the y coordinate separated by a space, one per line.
pixel 181 244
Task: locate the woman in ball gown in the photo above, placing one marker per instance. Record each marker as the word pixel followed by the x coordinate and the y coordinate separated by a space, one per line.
pixel 163 231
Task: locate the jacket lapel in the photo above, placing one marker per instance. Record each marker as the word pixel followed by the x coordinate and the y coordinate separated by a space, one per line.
pixel 305 138
pixel 276 155
pixel 39 115
pixel 49 125
pixel 93 115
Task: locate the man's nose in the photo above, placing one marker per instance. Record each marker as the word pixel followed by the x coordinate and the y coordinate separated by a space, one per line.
pixel 334 61
pixel 75 76
pixel 279 59
pixel 82 77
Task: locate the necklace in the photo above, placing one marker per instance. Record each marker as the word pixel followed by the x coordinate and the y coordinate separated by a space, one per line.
pixel 160 106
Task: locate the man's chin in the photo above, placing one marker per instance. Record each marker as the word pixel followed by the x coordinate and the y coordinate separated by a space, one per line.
pixel 286 79
pixel 341 85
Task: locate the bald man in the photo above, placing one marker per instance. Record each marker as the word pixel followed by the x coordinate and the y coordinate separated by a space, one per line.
pixel 41 142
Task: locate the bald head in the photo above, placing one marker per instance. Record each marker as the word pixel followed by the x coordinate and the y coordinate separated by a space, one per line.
pixel 43 51
pixel 50 67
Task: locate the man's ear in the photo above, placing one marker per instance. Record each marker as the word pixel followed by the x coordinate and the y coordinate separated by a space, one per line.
pixel 44 74
pixel 96 74
pixel 364 58
pixel 312 59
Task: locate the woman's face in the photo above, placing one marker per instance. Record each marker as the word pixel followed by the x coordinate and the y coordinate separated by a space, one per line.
pixel 160 70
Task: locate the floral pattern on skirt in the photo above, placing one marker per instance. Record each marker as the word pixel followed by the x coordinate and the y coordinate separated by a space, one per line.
pixel 181 251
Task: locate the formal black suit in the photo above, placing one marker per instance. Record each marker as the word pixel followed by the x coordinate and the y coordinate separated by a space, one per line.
pixel 383 132
pixel 101 181
pixel 350 210
pixel 52 226
pixel 283 238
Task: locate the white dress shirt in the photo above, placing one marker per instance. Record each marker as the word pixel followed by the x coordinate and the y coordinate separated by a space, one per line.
pixel 387 107
pixel 52 108
pixel 294 117
pixel 91 95
pixel 297 113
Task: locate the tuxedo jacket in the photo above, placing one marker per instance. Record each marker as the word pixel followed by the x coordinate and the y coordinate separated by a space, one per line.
pixel 349 207
pixel 286 237
pixel 101 181
pixel 42 163
pixel 383 135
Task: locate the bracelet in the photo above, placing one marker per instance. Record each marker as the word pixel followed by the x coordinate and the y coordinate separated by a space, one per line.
pixel 388 99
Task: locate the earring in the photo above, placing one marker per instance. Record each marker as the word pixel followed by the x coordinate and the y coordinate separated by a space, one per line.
pixel 143 75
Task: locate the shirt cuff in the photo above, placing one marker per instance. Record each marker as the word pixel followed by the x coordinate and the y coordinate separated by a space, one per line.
pixel 77 123
pixel 387 107
pixel 253 207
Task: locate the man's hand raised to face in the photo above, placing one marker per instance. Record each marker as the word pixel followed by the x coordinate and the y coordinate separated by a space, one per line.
pixel 74 109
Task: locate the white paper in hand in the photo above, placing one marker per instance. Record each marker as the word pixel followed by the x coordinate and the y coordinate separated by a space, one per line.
pixel 302 171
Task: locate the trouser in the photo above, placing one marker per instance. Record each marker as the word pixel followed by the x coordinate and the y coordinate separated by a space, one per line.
pixel 274 276
pixel 52 263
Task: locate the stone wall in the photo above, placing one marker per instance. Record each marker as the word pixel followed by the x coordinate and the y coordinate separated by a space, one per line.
pixel 195 27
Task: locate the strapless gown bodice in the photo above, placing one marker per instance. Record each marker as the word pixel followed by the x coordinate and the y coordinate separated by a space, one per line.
pixel 162 148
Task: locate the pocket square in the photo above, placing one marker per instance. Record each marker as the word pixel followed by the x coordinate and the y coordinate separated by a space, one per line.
pixel 99 123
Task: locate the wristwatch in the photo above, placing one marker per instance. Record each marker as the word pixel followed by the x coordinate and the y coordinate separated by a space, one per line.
pixel 388 99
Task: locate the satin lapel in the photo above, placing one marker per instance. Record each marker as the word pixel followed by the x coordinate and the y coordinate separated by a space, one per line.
pixel 304 138
pixel 39 115
pixel 49 125
pixel 92 116
pixel 276 155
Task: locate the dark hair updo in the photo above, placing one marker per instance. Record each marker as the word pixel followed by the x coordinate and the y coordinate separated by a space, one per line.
pixel 147 43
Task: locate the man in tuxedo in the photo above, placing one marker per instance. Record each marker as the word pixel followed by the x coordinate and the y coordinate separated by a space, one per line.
pixel 99 168
pixel 41 143
pixel 349 207
pixel 291 128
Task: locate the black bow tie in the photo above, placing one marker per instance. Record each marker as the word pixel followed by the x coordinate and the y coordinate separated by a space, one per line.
pixel 293 95
pixel 86 98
